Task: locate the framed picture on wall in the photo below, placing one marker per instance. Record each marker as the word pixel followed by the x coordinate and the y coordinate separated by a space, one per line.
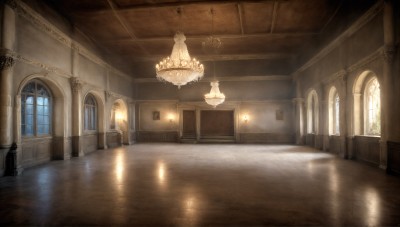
pixel 156 115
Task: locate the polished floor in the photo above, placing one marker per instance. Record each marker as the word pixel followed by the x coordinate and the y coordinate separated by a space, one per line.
pixel 202 185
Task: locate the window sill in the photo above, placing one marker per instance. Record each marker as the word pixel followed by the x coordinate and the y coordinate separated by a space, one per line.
pixel 33 138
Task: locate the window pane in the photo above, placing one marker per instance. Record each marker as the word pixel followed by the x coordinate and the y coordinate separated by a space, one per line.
pixel 337 112
pixel 29 119
pixel 40 101
pixel 40 110
pixel 373 104
pixel 29 99
pixel 29 88
pixel 28 130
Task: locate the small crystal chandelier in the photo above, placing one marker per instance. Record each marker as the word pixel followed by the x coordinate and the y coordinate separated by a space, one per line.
pixel 179 68
pixel 215 97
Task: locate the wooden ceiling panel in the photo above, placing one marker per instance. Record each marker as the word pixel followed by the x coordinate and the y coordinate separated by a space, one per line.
pixel 257 17
pixel 257 45
pixel 150 22
pixel 304 16
pixel 133 3
pixel 130 48
pixel 194 20
pixel 104 26
pixel 83 4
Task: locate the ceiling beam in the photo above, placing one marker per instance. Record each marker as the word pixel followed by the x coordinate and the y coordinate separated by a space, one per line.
pixel 152 79
pixel 230 57
pixel 202 37
pixel 239 7
pixel 169 4
pixel 125 24
pixel 274 16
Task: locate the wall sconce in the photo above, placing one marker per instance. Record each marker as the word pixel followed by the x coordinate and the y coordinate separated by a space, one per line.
pixel 245 118
pixel 119 116
pixel 171 117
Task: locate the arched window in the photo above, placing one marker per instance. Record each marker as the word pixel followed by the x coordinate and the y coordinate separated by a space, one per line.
pixel 334 112
pixel 372 108
pixel 35 109
pixel 312 112
pixel 90 121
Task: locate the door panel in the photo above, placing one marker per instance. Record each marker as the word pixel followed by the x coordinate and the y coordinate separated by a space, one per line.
pixel 217 123
pixel 189 124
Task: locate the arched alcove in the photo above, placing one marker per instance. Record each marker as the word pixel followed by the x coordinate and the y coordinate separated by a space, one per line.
pixel 312 112
pixel 94 138
pixel 119 123
pixel 334 111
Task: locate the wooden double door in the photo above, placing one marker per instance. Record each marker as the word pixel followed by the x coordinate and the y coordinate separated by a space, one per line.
pixel 213 124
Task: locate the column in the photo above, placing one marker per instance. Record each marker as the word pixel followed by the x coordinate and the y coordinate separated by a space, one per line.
pixel 344 115
pixel 298 121
pixel 389 108
pixel 6 74
pixel 76 87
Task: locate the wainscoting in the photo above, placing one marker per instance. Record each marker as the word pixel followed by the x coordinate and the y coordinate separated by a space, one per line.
pixel 310 140
pixel 36 151
pixel 393 157
pixel 90 143
pixel 337 145
pixel 367 149
pixel 148 136
pixel 270 138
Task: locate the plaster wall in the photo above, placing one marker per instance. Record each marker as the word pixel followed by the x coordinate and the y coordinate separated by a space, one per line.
pixel 266 117
pixel 92 73
pixel 37 45
pixel 233 90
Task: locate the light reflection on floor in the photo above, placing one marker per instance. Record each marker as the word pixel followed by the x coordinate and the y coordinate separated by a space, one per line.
pixel 202 185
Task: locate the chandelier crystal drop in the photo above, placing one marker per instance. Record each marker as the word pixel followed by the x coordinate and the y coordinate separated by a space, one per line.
pixel 179 68
pixel 215 97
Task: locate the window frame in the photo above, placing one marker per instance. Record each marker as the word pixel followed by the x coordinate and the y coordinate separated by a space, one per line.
pixel 94 111
pixel 35 96
pixel 366 108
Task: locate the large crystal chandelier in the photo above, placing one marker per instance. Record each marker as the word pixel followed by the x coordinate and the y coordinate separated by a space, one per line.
pixel 179 68
pixel 215 97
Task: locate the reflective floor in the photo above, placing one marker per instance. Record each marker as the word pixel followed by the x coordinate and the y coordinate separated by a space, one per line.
pixel 202 185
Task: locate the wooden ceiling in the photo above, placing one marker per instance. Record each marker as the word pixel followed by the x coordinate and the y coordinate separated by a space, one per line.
pixel 258 37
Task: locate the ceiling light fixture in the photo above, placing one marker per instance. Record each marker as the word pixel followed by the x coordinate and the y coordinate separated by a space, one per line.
pixel 179 68
pixel 214 97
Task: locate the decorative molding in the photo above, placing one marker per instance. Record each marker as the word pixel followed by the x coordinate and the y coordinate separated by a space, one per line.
pixel 388 52
pixel 233 79
pixel 6 62
pixel 365 61
pixel 298 100
pixel 12 4
pixel 76 84
pixel 42 24
pixel 363 20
